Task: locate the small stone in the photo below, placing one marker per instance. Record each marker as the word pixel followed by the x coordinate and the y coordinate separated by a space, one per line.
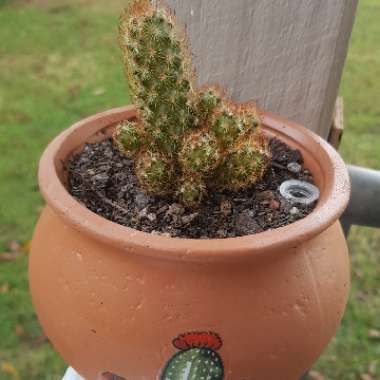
pixel 174 232
pixel 104 168
pixel 226 207
pixel 221 233
pixel 294 211
pixel 176 209
pixel 239 200
pixel 274 204
pixel 294 167
pixel 141 201
pixel 246 223
pixel 187 219
pixel 152 217
pixel 143 213
pixel 126 188
pixel 159 233
pixel 265 195
pixel 101 177
pixel 162 209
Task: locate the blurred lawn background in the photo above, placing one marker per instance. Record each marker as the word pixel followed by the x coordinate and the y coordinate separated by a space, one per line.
pixel 59 62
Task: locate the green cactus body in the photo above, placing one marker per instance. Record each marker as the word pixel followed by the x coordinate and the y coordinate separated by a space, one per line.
pixel 200 153
pixel 191 190
pixel 194 364
pixel 235 122
pixel 197 360
pixel 185 140
pixel 209 102
pixel 227 128
pixel 157 66
pixel 128 137
pixel 155 172
pixel 245 164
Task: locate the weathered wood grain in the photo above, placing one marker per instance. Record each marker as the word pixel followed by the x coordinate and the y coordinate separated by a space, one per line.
pixel 286 54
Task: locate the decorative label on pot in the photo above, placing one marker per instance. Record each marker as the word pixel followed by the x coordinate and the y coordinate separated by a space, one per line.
pixel 197 359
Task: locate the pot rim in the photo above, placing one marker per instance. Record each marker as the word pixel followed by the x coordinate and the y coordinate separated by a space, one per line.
pixel 334 198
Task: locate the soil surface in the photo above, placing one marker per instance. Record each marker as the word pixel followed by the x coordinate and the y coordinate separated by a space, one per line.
pixel 103 180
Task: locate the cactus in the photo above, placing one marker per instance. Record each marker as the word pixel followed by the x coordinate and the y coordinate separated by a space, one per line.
pixel 128 137
pixel 191 190
pixel 185 140
pixel 158 68
pixel 155 171
pixel 197 358
pixel 200 153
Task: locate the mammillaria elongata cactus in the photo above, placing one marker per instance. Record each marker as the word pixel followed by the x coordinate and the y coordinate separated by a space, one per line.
pixel 185 141
pixel 197 358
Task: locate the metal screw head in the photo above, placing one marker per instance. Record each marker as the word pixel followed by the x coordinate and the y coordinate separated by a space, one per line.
pixel 299 192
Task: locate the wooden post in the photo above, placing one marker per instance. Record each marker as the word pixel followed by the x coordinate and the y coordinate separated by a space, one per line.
pixel 286 54
pixel 337 128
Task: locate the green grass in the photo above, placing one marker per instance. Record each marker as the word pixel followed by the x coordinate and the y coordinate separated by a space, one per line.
pixel 59 63
pixel 352 353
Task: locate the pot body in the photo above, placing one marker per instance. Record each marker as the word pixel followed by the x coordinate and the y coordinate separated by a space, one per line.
pixel 114 300
pixel 108 309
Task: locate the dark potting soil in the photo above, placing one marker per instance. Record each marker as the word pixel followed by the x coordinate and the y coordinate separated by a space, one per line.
pixel 104 181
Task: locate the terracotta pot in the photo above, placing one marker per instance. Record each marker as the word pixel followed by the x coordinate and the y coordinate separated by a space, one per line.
pixel 113 299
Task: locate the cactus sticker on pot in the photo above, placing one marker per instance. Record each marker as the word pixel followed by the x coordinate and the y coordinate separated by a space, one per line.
pixel 197 359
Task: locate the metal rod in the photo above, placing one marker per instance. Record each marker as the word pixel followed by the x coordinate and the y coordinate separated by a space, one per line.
pixel 364 206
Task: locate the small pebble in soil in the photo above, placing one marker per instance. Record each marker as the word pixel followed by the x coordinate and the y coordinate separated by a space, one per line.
pixel 176 209
pixel 294 211
pixel 274 204
pixel 226 207
pixel 142 200
pixel 187 219
pixel 246 223
pixel 294 167
pixel 103 180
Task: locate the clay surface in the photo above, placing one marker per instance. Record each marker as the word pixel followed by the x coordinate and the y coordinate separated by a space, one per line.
pixel 116 300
